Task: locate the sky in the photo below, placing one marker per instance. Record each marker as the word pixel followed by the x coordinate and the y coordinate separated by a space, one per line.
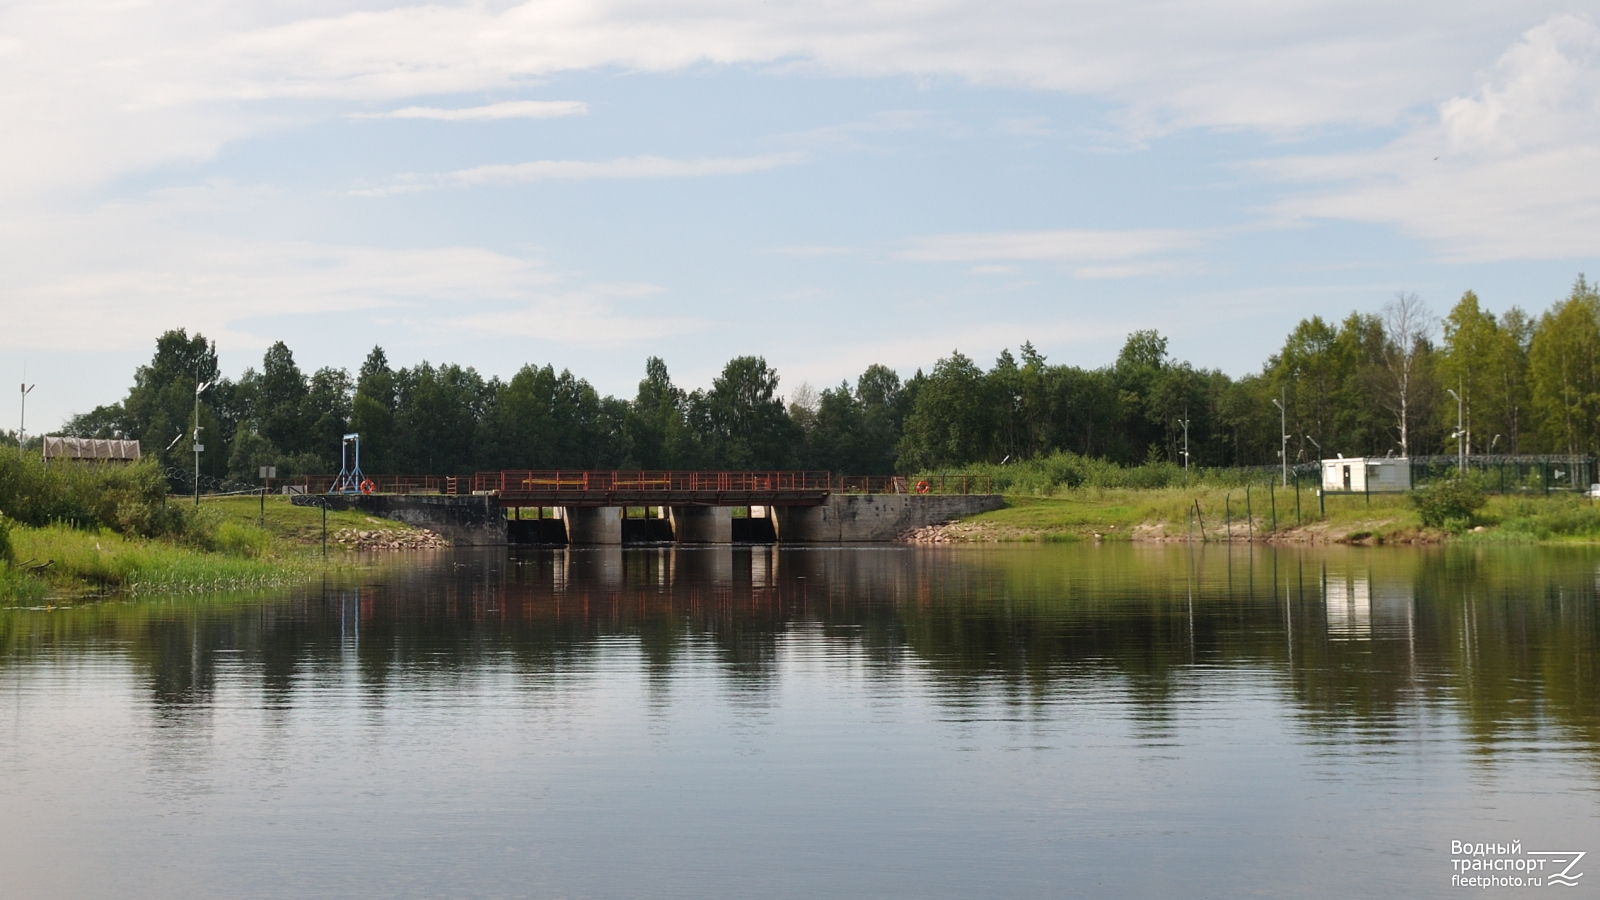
pixel 827 185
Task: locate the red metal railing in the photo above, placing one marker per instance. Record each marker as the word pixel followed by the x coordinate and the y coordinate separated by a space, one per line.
pixel 560 481
pixel 570 481
pixel 381 484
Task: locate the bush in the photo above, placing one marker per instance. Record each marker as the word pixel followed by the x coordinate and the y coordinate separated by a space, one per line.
pixel 1063 470
pixel 1449 504
pixel 128 499
pixel 8 554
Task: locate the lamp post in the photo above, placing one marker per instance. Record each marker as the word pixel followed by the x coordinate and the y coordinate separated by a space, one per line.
pixel 198 447
pixel 1283 429
pixel 1460 436
pixel 22 424
pixel 1185 423
pixel 1315 444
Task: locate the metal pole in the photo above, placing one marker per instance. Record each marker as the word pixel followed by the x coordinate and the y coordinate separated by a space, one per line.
pixel 1461 437
pixel 197 442
pixel 22 423
pixel 1283 432
pixel 1185 423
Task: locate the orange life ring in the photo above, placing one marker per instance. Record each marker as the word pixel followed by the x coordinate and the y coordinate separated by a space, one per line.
pixel 923 487
pixel 367 486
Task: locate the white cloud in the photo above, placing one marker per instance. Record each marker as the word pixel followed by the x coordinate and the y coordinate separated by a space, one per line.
pixel 97 88
pixel 1029 126
pixel 582 170
pixel 1506 172
pixel 512 109
pixel 1050 246
pixel 816 250
pixel 584 317
pixel 117 277
pixel 632 167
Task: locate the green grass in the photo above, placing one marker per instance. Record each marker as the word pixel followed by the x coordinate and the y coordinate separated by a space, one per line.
pixel 103 560
pixel 286 522
pixel 1120 513
pixel 230 547
pixel 1562 518
pixel 1116 513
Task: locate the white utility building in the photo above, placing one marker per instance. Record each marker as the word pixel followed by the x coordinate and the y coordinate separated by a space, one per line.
pixel 1372 475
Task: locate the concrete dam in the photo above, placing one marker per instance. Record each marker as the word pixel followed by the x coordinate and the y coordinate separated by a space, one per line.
pixel 612 508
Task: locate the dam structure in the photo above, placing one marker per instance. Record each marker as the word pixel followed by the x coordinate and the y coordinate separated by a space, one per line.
pixel 556 507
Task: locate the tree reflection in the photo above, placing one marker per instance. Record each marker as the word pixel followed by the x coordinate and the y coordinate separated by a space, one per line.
pixel 1360 642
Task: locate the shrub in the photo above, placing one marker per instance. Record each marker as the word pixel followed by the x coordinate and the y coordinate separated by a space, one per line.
pixel 1063 470
pixel 1449 504
pixel 128 499
pixel 8 554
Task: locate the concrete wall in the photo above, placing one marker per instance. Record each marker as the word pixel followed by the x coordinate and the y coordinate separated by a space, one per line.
pixel 477 522
pixel 702 524
pixel 593 525
pixel 465 521
pixel 874 517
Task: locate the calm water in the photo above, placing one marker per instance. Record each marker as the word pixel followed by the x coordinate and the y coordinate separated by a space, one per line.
pixel 886 722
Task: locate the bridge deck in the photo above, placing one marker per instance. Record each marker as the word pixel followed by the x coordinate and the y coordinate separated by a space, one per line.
pixel 565 487
pixel 654 488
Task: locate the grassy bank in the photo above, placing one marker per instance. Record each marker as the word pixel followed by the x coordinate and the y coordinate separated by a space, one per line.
pixel 226 544
pixel 1217 513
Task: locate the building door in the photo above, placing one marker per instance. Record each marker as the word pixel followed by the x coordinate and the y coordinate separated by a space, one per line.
pixel 1347 478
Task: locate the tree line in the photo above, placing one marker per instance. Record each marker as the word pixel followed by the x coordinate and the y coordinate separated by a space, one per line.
pixel 1392 383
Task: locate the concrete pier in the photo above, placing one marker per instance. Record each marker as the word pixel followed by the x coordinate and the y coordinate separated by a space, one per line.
pixel 593 525
pixel 702 524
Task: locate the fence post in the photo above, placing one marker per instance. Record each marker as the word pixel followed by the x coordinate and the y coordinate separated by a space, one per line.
pixel 1249 516
pixel 1272 494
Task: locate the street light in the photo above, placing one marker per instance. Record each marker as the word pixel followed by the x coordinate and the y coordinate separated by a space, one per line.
pixel 1185 423
pixel 198 447
pixel 22 425
pixel 1460 435
pixel 1315 444
pixel 1283 429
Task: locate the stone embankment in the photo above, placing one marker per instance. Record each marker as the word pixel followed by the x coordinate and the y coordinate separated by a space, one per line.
pixel 966 533
pixel 388 539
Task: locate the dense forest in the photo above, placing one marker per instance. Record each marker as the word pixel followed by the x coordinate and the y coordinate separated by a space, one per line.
pixel 1367 385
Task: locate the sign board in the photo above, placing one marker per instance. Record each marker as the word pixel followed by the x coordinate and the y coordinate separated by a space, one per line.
pixel 269 471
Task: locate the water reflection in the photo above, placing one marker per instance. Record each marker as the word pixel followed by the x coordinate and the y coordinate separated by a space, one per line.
pixel 689 722
pixel 1351 638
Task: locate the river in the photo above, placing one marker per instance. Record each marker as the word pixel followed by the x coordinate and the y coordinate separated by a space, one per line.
pixel 1039 720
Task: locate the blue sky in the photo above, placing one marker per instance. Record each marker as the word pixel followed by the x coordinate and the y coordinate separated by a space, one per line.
pixel 829 186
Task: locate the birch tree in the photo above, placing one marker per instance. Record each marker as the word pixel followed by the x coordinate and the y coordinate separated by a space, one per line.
pixel 1406 325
